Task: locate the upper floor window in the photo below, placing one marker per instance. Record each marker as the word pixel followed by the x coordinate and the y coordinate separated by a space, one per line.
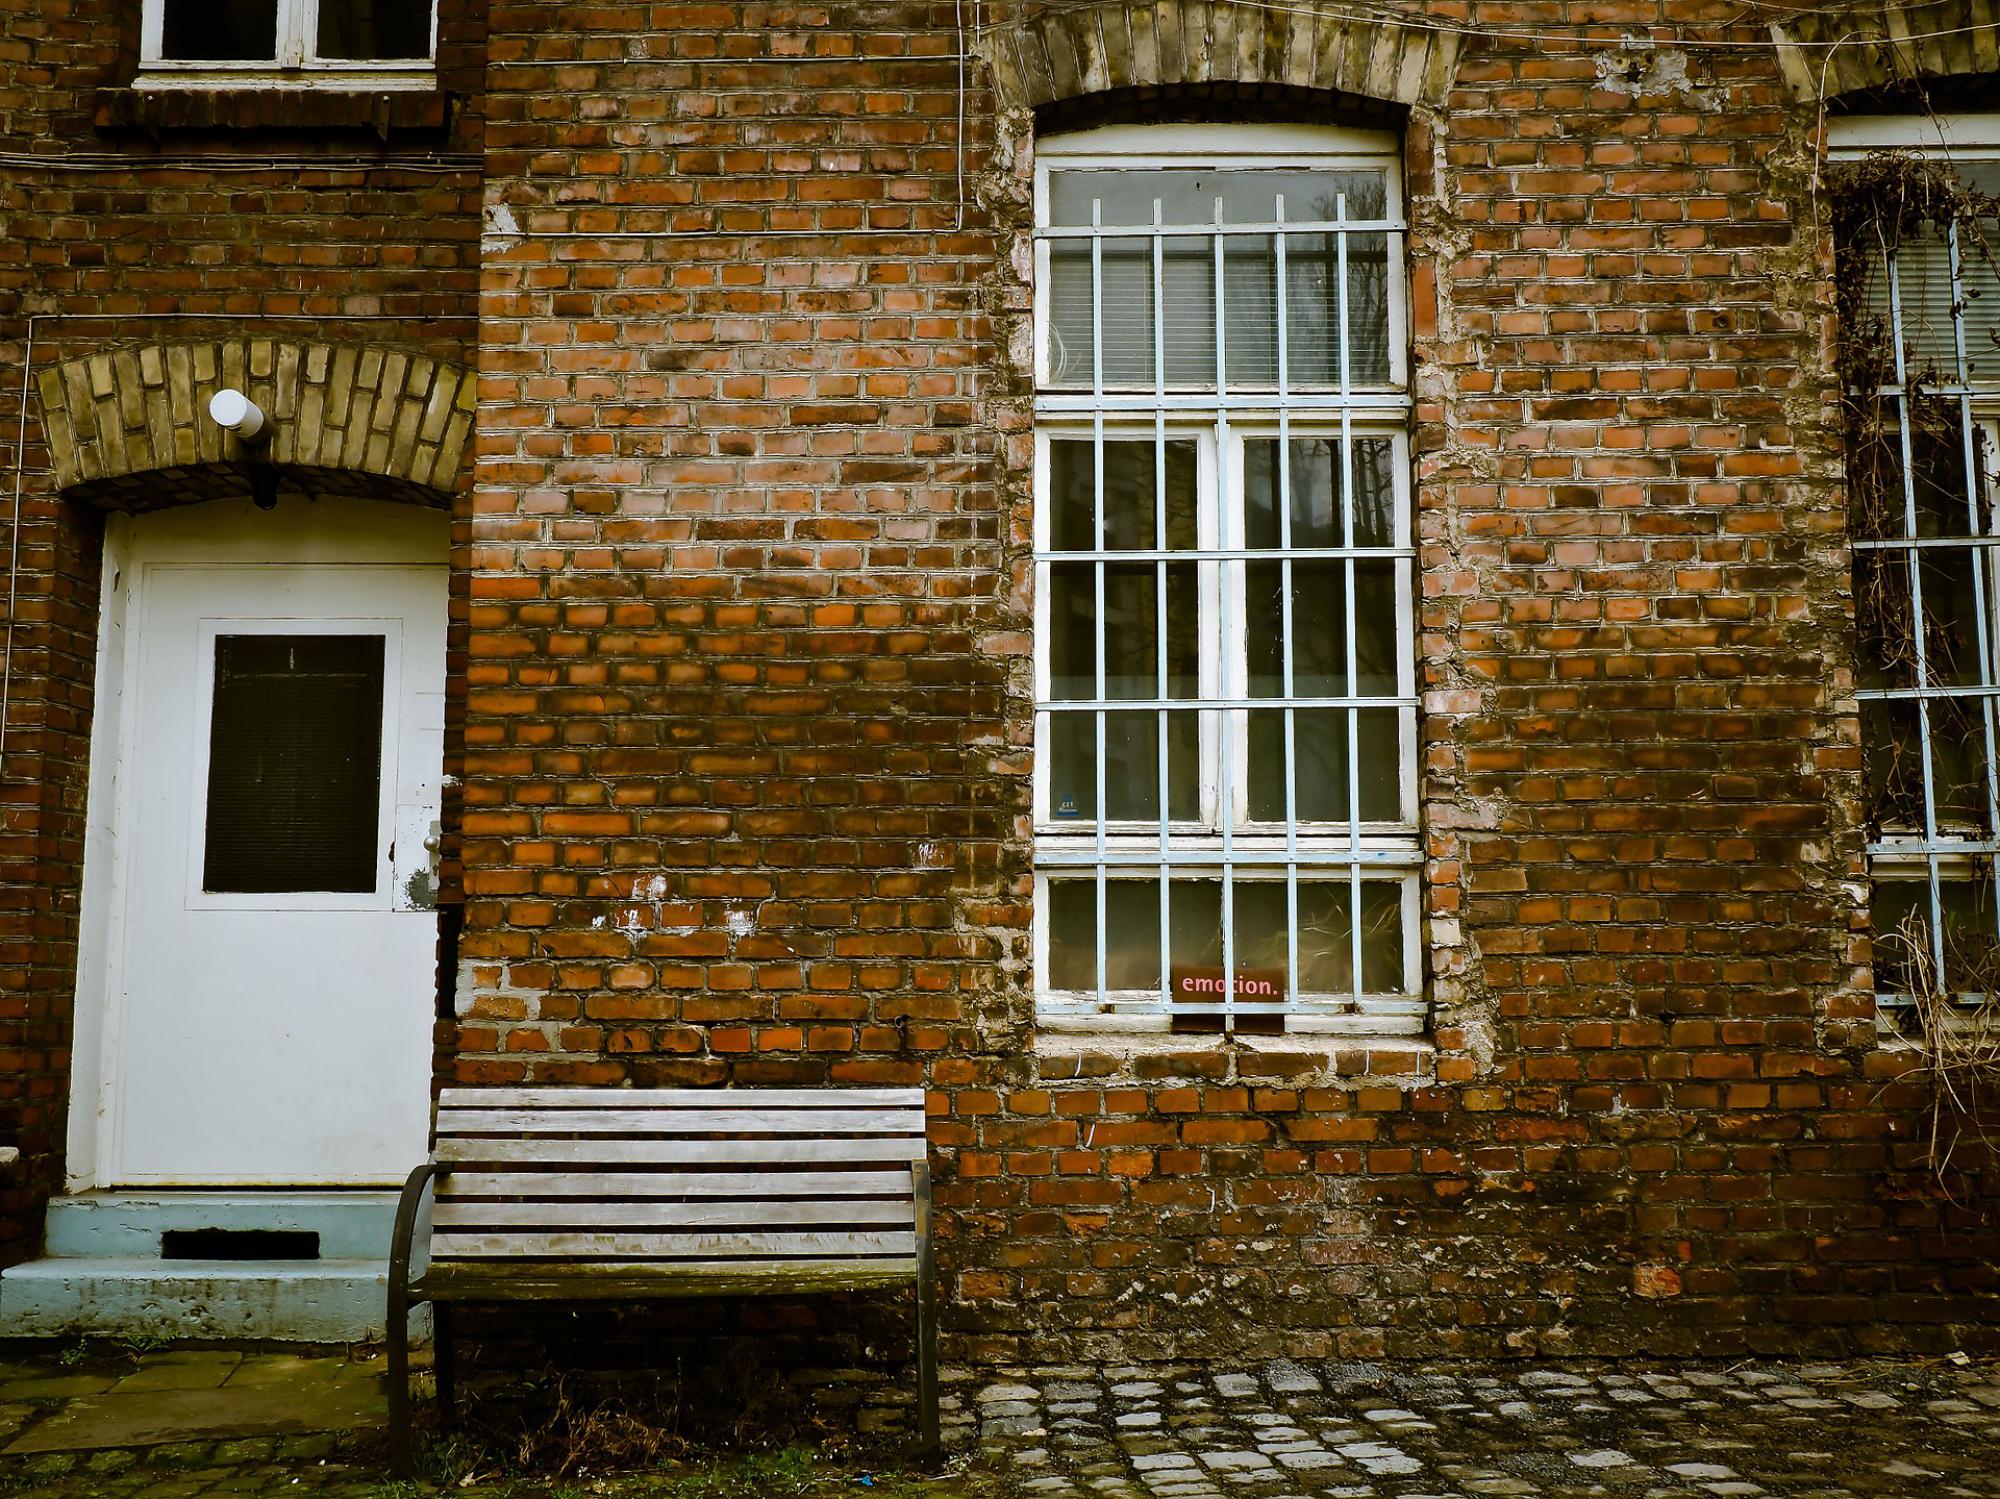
pixel 354 43
pixel 1920 289
pixel 1226 790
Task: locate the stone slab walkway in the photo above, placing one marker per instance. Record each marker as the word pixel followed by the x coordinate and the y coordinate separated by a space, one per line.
pixel 192 1396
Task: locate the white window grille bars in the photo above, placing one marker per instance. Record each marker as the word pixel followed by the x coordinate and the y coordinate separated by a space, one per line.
pixel 1940 871
pixel 1223 845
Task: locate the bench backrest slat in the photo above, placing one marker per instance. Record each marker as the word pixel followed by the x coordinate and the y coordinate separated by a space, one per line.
pixel 757 1178
pixel 681 1246
pixel 837 1122
pixel 610 1185
pixel 681 1098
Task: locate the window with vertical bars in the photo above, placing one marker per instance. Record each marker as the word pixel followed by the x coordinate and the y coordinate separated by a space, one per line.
pixel 1226 788
pixel 1925 523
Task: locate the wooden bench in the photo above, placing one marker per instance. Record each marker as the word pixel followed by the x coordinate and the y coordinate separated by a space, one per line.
pixel 556 1194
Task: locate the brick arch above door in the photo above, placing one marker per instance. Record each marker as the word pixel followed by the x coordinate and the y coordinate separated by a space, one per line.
pixel 1075 50
pixel 129 427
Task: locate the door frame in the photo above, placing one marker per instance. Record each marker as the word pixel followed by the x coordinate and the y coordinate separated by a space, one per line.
pixel 332 531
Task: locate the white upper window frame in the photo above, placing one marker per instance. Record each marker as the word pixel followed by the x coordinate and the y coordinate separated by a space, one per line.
pixel 1220 424
pixel 295 65
pixel 1139 147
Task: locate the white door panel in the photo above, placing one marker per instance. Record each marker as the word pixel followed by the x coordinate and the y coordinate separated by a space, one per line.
pixel 268 999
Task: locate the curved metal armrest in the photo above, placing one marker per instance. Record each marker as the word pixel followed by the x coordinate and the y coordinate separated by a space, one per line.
pixel 402 1242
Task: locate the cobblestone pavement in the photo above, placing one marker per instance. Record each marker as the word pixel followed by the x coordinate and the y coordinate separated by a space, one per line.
pixel 1288 1431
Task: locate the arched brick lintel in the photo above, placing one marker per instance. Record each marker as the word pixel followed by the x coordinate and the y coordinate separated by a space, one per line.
pixel 1851 48
pixel 361 409
pixel 1074 51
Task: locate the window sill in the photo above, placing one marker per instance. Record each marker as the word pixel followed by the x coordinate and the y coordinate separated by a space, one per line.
pixel 336 105
pixel 1068 1051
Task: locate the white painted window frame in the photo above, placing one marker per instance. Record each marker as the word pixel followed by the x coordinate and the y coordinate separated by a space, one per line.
pixel 1230 848
pixel 294 67
pixel 1942 853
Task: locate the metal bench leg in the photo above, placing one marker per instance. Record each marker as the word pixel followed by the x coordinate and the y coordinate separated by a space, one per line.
pixel 447 1363
pixel 399 1380
pixel 930 1448
pixel 400 1457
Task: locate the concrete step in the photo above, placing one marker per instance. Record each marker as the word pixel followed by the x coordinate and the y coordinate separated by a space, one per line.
pixel 304 1301
pixel 128 1225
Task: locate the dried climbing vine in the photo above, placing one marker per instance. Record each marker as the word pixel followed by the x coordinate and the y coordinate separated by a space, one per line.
pixel 1878 206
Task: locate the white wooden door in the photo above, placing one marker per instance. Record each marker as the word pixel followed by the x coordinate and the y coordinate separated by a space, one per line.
pixel 271 993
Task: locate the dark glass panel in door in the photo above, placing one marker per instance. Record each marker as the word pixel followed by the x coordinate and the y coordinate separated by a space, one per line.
pixel 295 764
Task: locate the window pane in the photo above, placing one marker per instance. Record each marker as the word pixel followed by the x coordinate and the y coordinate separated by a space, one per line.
pixel 1958 615
pixel 1131 498
pixel 1127 198
pixel 1905 921
pixel 1072 741
pixel 1250 320
pixel 1131 766
pixel 1132 922
pixel 374 30
pixel 219 31
pixel 1882 618
pixel 1923 273
pixel 1320 741
pixel 1319 628
pixel 295 763
pixel 1316 488
pixel 1892 751
pixel 1259 923
pixel 1072 631
pixel 1945 505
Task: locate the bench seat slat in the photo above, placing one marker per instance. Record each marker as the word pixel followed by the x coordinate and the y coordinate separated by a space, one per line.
pixel 609 1152
pixel 681 1098
pixel 453 1122
pixel 596 1186
pixel 452 1215
pixel 480 1280
pixel 585 1244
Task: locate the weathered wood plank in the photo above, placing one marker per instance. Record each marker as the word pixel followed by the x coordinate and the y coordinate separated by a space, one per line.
pixel 582 1244
pixel 678 1122
pixel 611 1184
pixel 582 1214
pixel 497 1280
pixel 680 1098
pixel 610 1152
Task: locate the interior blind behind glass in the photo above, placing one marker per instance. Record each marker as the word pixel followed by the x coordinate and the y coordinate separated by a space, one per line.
pixel 1125 198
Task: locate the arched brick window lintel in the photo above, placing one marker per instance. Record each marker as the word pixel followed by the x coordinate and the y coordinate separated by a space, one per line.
pixel 1082 50
pixel 1880 45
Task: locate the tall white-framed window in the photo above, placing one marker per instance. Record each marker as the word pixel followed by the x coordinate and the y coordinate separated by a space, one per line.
pixel 326 43
pixel 1226 828
pixel 1924 517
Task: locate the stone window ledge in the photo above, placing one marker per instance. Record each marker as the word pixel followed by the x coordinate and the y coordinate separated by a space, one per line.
pixel 381 112
pixel 1078 1055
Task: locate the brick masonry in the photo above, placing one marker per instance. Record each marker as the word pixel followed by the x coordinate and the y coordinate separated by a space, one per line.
pixel 745 679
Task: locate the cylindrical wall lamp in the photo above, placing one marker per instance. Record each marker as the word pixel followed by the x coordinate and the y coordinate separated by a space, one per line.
pixel 235 412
